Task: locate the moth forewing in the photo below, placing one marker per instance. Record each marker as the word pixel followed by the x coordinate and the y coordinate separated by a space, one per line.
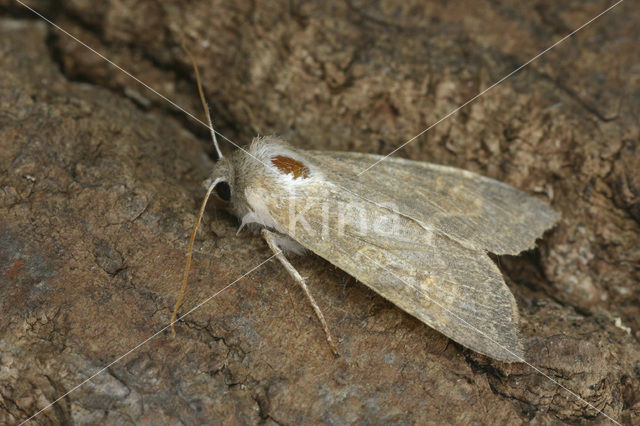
pixel 478 212
pixel 455 289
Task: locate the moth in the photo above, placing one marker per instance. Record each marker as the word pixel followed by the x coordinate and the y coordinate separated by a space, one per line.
pixel 416 233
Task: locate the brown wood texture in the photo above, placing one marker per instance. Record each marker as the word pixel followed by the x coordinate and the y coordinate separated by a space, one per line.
pixel 100 184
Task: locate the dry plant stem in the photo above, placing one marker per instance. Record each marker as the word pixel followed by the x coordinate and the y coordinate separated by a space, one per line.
pixel 270 238
pixel 189 253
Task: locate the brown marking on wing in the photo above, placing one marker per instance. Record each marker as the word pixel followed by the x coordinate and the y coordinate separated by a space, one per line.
pixel 288 165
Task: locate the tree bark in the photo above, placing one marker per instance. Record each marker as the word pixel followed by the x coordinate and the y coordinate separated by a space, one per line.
pixel 100 183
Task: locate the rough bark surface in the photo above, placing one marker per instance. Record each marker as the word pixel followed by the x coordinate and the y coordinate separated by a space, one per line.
pixel 99 186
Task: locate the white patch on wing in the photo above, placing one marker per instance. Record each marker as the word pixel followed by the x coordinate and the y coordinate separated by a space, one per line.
pixel 267 148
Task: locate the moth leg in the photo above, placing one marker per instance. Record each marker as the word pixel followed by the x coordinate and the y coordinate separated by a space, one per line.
pixel 270 238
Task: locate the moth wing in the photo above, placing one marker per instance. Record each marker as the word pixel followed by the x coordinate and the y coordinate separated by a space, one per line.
pixel 458 291
pixel 478 212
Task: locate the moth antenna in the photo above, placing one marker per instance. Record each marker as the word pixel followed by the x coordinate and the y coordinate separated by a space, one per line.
pixel 202 99
pixel 189 253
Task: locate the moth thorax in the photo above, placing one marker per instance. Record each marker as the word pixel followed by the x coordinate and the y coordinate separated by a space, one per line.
pixel 287 166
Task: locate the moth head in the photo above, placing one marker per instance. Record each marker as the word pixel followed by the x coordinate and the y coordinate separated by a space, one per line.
pixel 220 183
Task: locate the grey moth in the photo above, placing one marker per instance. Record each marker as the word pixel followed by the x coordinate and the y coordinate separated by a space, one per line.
pixel 416 233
